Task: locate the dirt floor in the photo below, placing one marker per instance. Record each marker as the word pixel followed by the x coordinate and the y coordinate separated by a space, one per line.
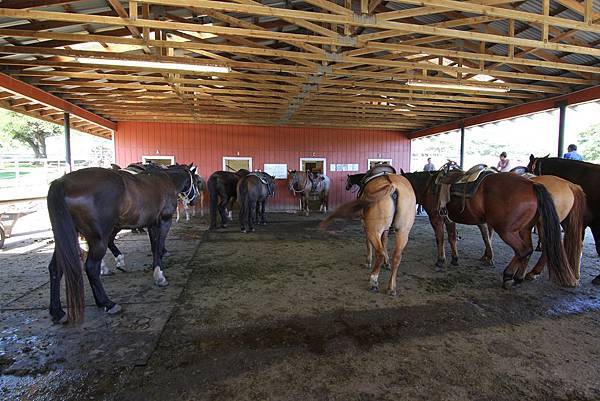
pixel 284 314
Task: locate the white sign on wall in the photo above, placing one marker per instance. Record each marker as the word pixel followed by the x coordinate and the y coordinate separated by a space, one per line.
pixel 343 167
pixel 276 170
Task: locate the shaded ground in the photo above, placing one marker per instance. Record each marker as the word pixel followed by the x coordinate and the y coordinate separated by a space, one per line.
pixel 284 314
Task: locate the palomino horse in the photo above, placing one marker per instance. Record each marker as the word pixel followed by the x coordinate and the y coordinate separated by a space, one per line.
pixel 305 183
pixel 511 205
pixel 586 175
pixel 96 203
pixel 386 201
pixel 252 193
pixel 222 192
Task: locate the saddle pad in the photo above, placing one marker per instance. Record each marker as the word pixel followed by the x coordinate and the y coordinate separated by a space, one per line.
pixel 262 179
pixel 468 188
pixel 473 174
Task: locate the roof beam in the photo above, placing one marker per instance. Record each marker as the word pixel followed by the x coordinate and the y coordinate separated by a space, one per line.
pixel 31 92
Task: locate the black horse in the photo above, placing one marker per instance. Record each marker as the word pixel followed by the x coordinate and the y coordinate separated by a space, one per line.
pixel 252 193
pixel 586 175
pixel 222 192
pixel 354 180
pixel 96 203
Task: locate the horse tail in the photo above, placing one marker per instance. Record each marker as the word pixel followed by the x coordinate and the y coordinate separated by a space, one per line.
pixel 243 200
pixel 559 268
pixel 355 208
pixel 213 198
pixel 574 229
pixel 68 259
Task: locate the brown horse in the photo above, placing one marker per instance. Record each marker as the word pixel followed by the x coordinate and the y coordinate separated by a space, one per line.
pixel 305 183
pixel 252 193
pixel 569 201
pixel 222 192
pixel 96 203
pixel 386 201
pixel 587 175
pixel 511 205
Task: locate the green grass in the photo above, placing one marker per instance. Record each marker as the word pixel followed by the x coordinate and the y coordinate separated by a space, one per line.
pixel 11 175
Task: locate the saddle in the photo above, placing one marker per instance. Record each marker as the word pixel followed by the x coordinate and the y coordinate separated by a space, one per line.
pixel 374 172
pixel 452 181
pixel 315 181
pixel 263 179
pixel 522 171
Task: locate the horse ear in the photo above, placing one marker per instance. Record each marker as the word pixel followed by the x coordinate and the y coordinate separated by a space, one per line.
pixel 402 171
pixel 547 156
pixel 531 157
pixel 193 170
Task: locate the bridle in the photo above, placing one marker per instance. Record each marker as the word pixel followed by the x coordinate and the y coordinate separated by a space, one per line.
pixel 186 196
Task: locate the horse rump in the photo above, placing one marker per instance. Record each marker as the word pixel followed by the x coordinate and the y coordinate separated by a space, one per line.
pixel 354 208
pixel 66 249
pixel 574 227
pixel 560 270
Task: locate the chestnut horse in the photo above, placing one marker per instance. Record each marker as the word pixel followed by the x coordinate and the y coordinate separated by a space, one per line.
pixel 252 193
pixel 387 201
pixel 511 205
pixel 305 183
pixel 96 203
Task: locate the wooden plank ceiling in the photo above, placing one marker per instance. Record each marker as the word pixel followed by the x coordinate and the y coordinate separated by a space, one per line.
pixel 344 63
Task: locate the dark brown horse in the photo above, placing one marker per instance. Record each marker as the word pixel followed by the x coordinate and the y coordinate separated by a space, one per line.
pixel 252 193
pixel 96 203
pixel 586 175
pixel 306 183
pixel 511 205
pixel 222 192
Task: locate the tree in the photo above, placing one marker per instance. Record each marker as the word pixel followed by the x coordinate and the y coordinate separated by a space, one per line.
pixel 589 143
pixel 27 130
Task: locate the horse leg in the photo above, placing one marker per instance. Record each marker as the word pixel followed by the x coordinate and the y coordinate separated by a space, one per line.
pixel 252 215
pixel 119 258
pixel 222 211
pixel 56 311
pixel 438 229
pixel 486 235
pixel 263 218
pixel 538 268
pixel 369 253
pixel 384 242
pixel 401 241
pixel 305 202
pixel 160 235
pixel 596 233
pixel 242 216
pixel 523 249
pixel 374 239
pixel 525 235
pixel 97 250
pixel 451 230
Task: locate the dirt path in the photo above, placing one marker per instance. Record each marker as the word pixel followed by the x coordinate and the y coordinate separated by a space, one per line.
pixel 284 314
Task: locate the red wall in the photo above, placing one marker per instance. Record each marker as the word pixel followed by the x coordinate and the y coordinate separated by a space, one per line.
pixel 205 145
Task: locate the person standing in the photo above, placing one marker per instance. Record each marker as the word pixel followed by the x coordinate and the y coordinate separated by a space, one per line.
pixel 572 153
pixel 429 166
pixel 504 163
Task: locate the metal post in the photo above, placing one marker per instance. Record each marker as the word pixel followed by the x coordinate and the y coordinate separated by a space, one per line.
pixel 67 127
pixel 462 145
pixel 562 114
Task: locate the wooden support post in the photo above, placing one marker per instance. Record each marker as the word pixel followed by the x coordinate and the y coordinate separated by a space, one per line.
pixel 562 114
pixel 347 30
pixel 364 6
pixel 511 33
pixel 67 130
pixel 462 144
pixel 146 15
pixel 133 10
pixel 546 12
pixel 588 14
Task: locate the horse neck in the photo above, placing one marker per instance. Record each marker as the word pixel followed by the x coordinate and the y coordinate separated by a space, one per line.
pixel 179 178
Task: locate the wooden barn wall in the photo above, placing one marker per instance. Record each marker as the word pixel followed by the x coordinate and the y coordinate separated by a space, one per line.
pixel 206 145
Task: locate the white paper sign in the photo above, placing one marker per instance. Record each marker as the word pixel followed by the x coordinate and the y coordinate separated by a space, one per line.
pixel 276 170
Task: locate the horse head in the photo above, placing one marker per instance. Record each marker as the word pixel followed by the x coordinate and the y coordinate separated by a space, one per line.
pixel 349 183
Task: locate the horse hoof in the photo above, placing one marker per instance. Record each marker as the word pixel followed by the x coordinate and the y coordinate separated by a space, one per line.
pixel 454 261
pixel 115 309
pixel 531 276
pixel 508 284
pixel 596 281
pixel 367 266
pixel 374 288
pixel 60 318
pixel 223 226
pixel 392 293
pixel 386 266
pixel 244 231
pixel 162 282
pixel 166 254
pixel 107 273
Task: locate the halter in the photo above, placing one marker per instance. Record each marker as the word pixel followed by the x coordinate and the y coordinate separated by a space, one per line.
pixel 305 181
pixel 186 197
